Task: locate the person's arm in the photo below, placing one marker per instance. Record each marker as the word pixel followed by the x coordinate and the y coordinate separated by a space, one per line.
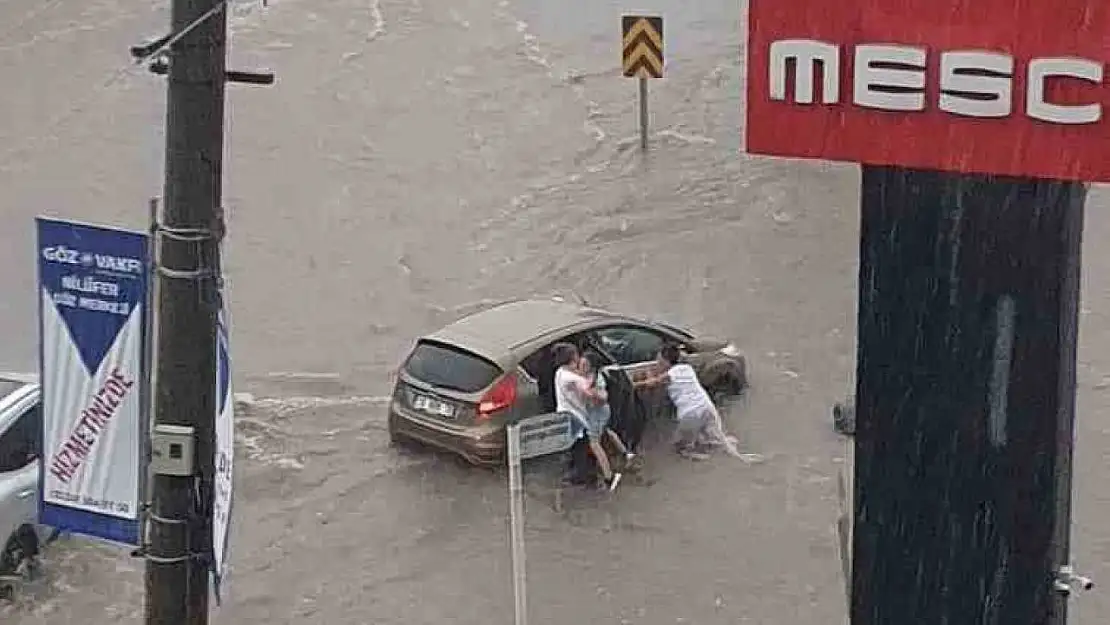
pixel 651 381
pixel 601 395
pixel 581 386
pixel 601 387
pixel 586 389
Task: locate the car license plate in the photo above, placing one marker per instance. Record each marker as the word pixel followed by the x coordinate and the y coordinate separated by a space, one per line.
pixel 433 406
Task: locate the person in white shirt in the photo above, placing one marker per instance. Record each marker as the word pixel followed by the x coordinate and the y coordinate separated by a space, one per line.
pixel 699 423
pixel 599 415
pixel 575 395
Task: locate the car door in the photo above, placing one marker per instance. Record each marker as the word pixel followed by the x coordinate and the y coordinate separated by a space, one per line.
pixel 19 470
pixel 629 413
pixel 634 349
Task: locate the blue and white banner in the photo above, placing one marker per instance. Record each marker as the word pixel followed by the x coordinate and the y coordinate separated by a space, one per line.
pixel 224 462
pixel 93 288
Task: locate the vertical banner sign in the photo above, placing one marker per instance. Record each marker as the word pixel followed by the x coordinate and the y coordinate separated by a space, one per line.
pixel 93 285
pixel 225 456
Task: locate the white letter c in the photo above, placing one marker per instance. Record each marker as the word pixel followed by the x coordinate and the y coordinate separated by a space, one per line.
pixel 1041 69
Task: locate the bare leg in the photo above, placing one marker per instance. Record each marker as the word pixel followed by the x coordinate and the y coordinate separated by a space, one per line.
pixel 716 432
pixel 617 442
pixel 602 459
pixel 687 434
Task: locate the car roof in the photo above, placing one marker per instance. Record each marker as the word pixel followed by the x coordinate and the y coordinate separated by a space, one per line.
pixel 497 332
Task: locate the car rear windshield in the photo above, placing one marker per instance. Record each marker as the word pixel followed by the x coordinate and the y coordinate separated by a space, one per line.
pixel 450 367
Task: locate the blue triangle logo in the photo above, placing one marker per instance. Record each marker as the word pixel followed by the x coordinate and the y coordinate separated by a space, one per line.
pixel 96 278
pixel 93 333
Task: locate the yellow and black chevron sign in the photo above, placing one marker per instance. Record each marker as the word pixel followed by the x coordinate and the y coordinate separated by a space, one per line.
pixel 642 46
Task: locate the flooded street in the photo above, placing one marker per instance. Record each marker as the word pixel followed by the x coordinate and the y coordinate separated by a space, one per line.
pixel 417 160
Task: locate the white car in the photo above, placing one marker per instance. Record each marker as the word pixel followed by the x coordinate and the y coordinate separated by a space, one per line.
pixel 20 429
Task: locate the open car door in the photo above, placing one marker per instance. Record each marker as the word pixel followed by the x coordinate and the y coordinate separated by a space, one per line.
pixel 640 363
pixel 628 412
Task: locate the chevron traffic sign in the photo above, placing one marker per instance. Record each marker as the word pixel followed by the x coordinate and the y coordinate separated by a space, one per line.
pixel 642 46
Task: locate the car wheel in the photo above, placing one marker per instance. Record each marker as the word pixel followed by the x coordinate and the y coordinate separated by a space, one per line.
pixel 724 387
pixel 737 377
pixel 742 376
pixel 396 439
pixel 18 558
pixel 728 378
pixel 719 394
pixel 399 440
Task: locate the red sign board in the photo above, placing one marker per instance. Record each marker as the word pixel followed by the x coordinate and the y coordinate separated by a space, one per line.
pixel 983 86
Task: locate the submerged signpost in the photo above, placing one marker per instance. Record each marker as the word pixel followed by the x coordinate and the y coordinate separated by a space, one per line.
pixel 529 438
pixel 977 125
pixel 642 58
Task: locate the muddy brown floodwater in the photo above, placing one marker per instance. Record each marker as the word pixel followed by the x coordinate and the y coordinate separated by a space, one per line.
pixel 418 159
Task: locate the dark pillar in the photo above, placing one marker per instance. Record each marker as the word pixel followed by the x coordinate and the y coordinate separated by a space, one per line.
pixel 968 314
pixel 177 576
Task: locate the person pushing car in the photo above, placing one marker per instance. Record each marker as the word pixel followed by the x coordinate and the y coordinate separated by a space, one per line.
pixel 699 422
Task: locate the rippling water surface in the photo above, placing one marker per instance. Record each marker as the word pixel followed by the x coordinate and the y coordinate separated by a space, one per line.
pixel 418 159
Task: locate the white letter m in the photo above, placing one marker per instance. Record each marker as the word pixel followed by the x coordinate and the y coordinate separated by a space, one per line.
pixel 805 53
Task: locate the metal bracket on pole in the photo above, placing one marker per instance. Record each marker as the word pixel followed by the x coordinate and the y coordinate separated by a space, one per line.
pixel 215 232
pixel 160 63
pixel 161 67
pixel 208 268
pixel 146 50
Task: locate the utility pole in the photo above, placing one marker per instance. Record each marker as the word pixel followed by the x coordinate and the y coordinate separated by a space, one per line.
pixel 188 272
pixel 177 576
pixel 189 275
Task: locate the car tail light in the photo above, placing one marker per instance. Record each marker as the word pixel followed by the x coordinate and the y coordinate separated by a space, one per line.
pixel 500 397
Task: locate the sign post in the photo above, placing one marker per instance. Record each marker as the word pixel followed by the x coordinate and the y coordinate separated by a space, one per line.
pixel 642 58
pixel 529 438
pixel 516 528
pixel 977 125
pixel 92 313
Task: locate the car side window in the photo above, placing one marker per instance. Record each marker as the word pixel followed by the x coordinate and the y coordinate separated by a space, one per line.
pixel 629 345
pixel 19 445
pixel 534 365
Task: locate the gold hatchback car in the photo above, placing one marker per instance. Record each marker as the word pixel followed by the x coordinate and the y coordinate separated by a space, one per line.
pixel 460 386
